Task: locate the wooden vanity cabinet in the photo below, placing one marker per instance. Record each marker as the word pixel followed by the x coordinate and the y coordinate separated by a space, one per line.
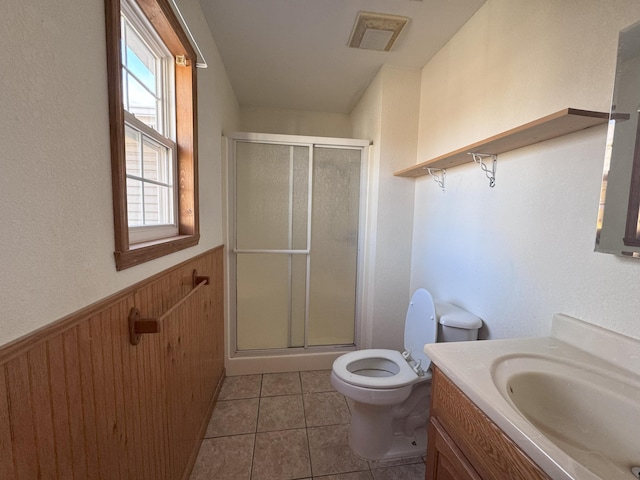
pixel 445 461
pixel 464 444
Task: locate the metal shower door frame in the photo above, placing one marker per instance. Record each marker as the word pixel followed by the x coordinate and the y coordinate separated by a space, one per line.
pixel 293 141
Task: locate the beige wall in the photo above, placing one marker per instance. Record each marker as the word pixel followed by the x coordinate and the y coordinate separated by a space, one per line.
pixel 366 120
pixel 56 240
pixel 294 122
pixel 388 114
pixel 522 251
pixel 516 61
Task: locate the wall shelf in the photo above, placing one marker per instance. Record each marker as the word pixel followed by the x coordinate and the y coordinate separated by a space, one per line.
pixel 555 125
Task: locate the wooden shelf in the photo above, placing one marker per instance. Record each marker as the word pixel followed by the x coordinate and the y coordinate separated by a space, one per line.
pixel 555 125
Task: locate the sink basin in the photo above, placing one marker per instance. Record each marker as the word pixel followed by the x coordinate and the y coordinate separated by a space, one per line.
pixel 591 414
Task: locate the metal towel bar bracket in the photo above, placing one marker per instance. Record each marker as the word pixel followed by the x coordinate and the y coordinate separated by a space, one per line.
pixel 138 325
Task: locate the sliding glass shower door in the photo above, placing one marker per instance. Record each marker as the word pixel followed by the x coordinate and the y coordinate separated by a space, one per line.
pixel 297 217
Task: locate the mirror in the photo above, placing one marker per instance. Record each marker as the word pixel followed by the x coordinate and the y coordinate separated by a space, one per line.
pixel 618 228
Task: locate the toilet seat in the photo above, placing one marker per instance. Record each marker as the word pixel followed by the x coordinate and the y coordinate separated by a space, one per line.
pixel 390 363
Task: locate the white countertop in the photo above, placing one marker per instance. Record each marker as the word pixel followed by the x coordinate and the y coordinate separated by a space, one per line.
pixel 470 365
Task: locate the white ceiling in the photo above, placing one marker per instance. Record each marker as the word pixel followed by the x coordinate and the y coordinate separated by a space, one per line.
pixel 293 54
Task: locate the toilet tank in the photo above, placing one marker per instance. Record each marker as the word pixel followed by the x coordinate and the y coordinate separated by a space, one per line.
pixel 456 324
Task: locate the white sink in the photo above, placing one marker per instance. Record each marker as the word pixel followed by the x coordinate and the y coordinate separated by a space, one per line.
pixel 586 411
pixel 570 401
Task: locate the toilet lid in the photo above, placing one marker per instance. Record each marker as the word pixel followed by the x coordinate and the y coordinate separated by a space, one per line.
pixel 420 326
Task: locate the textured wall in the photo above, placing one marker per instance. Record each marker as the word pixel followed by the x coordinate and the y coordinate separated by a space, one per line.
pixel 56 240
pixel 388 115
pixel 518 253
pixel 294 122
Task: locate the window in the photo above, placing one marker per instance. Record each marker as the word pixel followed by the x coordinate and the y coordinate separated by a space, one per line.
pixel 152 95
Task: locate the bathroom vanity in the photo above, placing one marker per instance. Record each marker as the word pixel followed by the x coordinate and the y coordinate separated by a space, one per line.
pixel 562 407
pixel 464 444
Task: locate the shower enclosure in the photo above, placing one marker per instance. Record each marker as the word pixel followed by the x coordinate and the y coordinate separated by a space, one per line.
pixel 295 216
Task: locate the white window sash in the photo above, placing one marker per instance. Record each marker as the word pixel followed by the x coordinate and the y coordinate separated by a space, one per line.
pixel 166 78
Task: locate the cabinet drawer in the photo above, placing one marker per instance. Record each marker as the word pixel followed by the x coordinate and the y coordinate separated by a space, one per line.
pixel 445 461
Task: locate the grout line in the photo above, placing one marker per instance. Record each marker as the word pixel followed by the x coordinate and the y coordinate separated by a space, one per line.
pixel 255 434
pixel 306 426
pixel 253 455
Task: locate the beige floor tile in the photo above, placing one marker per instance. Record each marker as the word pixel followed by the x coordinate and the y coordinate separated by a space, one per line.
pixel 330 452
pixel 366 475
pixel 233 417
pixel 282 449
pixel 227 458
pixel 415 471
pixel 281 413
pixel 281 455
pixel 281 384
pixel 326 408
pixel 316 381
pixel 244 386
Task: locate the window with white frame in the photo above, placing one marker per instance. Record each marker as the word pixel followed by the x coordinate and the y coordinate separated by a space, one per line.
pixel 152 105
pixel 150 150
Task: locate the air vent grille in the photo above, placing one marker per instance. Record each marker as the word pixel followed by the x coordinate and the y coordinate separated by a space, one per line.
pixel 376 31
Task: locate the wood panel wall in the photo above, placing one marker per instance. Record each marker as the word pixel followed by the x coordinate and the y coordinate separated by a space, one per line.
pixel 78 401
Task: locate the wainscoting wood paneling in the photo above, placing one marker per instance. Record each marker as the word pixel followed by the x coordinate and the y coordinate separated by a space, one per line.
pixel 6 453
pixel 78 401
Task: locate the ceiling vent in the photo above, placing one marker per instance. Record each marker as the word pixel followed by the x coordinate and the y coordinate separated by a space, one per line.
pixel 376 31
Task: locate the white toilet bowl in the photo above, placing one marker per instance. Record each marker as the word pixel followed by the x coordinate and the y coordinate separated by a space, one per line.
pixel 391 390
pixel 375 376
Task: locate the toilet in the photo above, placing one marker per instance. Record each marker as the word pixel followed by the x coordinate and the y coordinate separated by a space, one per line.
pixel 391 390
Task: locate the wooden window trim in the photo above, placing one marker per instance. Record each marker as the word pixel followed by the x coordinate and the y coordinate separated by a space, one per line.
pixel 168 28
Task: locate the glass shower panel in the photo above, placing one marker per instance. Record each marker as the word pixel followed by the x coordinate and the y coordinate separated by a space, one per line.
pixel 262 309
pixel 334 246
pixel 299 197
pixel 272 211
pixel 298 299
pixel 271 196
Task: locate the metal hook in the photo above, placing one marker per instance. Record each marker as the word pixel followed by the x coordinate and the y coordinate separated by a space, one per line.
pixel 438 179
pixel 491 174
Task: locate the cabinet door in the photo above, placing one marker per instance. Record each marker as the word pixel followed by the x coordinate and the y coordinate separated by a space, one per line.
pixel 445 461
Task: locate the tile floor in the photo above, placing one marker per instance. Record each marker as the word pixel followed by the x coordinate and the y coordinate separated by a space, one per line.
pixel 285 426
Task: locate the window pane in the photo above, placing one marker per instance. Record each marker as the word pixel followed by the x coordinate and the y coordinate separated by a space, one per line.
pixel 140 59
pixel 157 165
pixel 158 205
pixel 125 91
pixel 123 44
pixel 132 151
pixel 148 203
pixel 134 202
pixel 141 103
